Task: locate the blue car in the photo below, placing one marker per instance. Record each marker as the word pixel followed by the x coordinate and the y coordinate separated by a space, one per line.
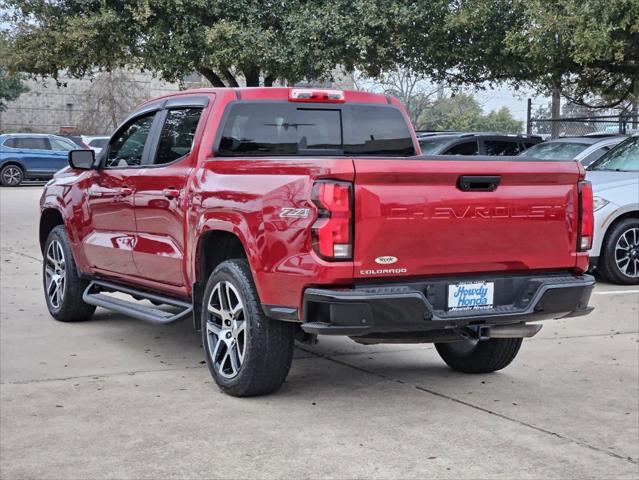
pixel 31 156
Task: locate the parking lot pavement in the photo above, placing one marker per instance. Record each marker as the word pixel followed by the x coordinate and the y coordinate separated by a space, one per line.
pixel 118 398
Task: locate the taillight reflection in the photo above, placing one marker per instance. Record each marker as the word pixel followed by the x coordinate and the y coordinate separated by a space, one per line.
pixel 333 232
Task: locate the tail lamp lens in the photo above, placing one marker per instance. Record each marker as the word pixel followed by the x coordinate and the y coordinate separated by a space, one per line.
pixel 332 232
pixel 586 216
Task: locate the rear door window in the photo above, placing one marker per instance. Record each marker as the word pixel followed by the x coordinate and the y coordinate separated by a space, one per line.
pixel 33 143
pixel 501 148
pixel 61 145
pixel 464 148
pixel 271 129
pixel 178 132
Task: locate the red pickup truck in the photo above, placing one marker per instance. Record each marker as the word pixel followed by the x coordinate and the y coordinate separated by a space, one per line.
pixel 274 214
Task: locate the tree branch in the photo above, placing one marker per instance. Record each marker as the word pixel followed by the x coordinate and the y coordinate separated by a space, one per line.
pixel 211 76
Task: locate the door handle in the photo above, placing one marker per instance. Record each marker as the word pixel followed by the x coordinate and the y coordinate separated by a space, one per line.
pixel 171 192
pixel 478 183
pixel 97 192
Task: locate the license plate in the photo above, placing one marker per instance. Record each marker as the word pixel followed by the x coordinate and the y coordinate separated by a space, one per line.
pixel 470 296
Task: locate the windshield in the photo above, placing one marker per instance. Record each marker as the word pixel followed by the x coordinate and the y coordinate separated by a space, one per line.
pixel 623 158
pixel 555 150
pixel 433 145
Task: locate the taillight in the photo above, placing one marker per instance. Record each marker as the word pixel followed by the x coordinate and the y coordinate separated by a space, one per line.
pixel 316 95
pixel 586 216
pixel 333 229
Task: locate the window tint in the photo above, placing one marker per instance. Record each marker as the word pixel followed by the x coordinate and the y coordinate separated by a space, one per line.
pixel 11 142
pixel 127 148
pixel 434 145
pixel 465 148
pixel 594 156
pixel 177 134
pixel 371 130
pixel 554 150
pixel 623 158
pixel 61 145
pixel 99 142
pixel 31 143
pixel 286 129
pixel 501 148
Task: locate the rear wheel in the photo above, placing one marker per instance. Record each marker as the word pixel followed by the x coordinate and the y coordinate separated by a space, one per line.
pixel 63 287
pixel 475 356
pixel 620 253
pixel 247 353
pixel 11 176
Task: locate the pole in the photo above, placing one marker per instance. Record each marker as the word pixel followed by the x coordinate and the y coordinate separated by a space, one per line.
pixel 529 117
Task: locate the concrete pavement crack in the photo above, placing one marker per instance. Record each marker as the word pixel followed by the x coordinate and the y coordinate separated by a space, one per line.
pixel 11 251
pixel 99 376
pixel 481 409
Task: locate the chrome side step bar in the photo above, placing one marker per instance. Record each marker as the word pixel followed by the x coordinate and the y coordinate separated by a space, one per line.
pixel 133 309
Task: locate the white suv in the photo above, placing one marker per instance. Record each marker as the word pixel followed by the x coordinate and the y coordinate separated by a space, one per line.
pixel 615 182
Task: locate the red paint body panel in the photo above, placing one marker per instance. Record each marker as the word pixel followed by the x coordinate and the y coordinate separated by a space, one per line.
pixel 406 208
pixel 414 211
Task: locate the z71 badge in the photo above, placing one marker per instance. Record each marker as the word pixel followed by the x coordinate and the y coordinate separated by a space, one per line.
pixel 294 212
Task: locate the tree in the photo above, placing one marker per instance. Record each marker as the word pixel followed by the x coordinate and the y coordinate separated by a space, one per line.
pixel 11 87
pixel 114 95
pixel 413 89
pixel 463 113
pixel 244 41
pixel 582 48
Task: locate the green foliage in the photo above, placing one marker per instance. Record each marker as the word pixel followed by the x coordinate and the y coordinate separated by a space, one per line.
pixel 590 48
pixel 224 41
pixel 11 87
pixel 463 113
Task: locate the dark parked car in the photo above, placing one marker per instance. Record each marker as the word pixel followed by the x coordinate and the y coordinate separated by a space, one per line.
pixel 476 144
pixel 32 156
pixel 584 149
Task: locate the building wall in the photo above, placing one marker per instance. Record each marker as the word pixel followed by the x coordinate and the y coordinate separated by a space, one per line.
pixel 46 107
pixel 49 108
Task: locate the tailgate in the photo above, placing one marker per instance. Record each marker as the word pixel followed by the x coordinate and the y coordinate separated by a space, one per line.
pixel 414 218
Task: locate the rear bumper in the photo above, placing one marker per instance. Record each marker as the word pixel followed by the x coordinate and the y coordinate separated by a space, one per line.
pixel 420 306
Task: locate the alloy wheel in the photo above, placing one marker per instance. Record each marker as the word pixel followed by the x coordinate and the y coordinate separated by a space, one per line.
pixel 627 253
pixel 55 273
pixel 11 176
pixel 226 329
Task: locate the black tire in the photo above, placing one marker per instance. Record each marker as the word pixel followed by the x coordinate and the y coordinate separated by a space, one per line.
pixel 70 307
pixel 608 267
pixel 479 356
pixel 266 344
pixel 11 175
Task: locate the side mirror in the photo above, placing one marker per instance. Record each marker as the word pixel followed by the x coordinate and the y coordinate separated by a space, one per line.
pixel 82 159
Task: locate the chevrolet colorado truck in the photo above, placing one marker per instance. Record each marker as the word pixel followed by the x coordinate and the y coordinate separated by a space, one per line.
pixel 269 215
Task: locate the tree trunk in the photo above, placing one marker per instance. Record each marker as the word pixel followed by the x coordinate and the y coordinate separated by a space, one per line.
pixel 212 77
pixel 556 110
pixel 268 80
pixel 252 76
pixel 230 78
pixel 635 107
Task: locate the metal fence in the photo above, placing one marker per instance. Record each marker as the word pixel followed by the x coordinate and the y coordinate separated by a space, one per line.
pixel 580 126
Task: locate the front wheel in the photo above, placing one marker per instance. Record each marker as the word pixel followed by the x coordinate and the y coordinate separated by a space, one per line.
pixel 479 356
pixel 63 287
pixel 620 253
pixel 247 353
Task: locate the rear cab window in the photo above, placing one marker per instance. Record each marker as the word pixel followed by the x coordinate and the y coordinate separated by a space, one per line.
pixel 262 128
pixel 501 148
pixel 465 148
